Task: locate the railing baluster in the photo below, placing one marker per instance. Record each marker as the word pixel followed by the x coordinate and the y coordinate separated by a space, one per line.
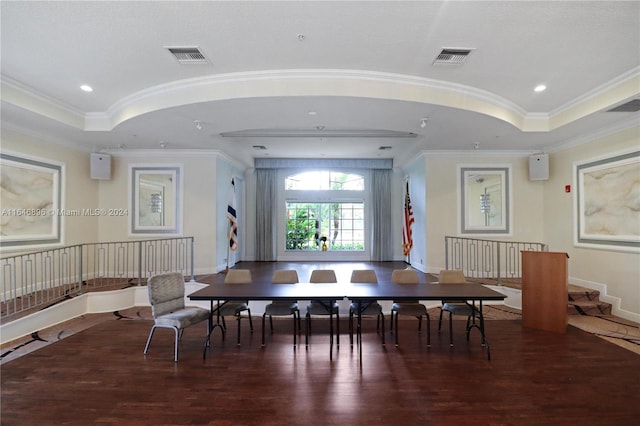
pixel 485 259
pixel 36 279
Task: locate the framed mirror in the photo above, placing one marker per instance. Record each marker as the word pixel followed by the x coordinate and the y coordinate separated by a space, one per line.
pixel 156 199
pixel 484 200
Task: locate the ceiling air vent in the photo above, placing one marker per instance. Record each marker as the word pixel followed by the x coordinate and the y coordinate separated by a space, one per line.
pixel 631 106
pixel 188 55
pixel 452 56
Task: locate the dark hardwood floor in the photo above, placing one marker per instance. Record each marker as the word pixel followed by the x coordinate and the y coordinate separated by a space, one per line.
pixel 100 376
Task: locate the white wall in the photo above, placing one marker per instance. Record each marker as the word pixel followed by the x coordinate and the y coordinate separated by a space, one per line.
pixel 615 273
pixel 80 191
pixel 442 200
pixel 199 200
pixel 542 211
pixel 224 172
pixel 420 252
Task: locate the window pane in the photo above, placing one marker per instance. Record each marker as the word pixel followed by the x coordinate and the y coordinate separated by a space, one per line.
pixel 339 224
pixel 325 180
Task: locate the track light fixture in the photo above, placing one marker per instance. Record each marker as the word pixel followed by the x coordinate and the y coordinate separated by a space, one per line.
pixel 423 123
pixel 198 124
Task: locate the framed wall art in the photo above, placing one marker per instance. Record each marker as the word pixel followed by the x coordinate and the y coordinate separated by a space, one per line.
pixel 31 199
pixel 607 202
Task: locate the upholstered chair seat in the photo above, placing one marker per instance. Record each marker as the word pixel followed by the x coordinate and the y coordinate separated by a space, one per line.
pixel 280 308
pixel 413 307
pixel 166 296
pixel 372 308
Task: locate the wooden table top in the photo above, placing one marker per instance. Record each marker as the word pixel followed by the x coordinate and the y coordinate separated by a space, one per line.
pixel 353 291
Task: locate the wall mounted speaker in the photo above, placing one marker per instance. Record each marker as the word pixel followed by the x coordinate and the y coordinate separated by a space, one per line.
pixel 100 166
pixel 539 167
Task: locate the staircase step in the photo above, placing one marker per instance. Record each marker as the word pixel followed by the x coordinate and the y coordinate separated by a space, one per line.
pixel 589 307
pixel 579 294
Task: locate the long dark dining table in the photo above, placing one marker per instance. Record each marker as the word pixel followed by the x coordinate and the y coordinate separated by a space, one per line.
pixel 361 294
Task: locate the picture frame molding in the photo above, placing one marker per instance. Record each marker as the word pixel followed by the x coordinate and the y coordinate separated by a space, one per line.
pixel 627 243
pixel 54 238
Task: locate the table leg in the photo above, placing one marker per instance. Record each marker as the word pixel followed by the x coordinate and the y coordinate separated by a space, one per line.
pixel 331 330
pixel 359 331
pixel 212 327
pixel 480 326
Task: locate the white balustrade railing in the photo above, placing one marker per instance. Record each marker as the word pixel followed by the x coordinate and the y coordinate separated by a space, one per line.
pixel 491 260
pixel 36 280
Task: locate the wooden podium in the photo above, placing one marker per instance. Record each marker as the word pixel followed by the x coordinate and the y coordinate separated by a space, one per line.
pixel 545 290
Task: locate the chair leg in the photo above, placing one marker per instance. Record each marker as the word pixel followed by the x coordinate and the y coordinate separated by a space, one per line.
pixel 331 328
pixel 308 330
pixel 396 328
pixel 381 317
pixel 450 329
pixel 428 331
pixel 146 348
pixel 271 323
pixel 238 318
pixel 440 320
pixel 263 318
pixel 350 327
pixel 175 350
pixel 295 332
pixel 250 320
pixel 337 328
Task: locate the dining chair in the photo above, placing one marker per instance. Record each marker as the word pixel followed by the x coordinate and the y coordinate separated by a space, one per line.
pixel 408 307
pixel 166 296
pixel 372 308
pixel 283 307
pixel 235 307
pixel 455 307
pixel 323 307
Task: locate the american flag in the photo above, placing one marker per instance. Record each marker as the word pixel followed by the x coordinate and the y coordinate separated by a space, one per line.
pixel 407 237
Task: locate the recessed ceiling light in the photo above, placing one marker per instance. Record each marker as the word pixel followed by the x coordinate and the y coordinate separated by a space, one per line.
pixel 86 88
pixel 540 88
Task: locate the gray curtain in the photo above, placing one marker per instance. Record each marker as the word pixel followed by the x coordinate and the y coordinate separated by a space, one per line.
pixel 382 229
pixel 266 195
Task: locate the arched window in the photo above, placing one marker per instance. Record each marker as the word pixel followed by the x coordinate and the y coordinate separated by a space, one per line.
pixel 325 210
pixel 325 180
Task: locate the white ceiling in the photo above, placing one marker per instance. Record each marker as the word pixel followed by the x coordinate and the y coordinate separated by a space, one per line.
pixel 358 67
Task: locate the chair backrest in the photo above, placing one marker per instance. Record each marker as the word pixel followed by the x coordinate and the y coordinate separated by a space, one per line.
pixel 364 276
pixel 404 276
pixel 323 276
pixel 451 276
pixel 285 276
pixel 166 293
pixel 238 276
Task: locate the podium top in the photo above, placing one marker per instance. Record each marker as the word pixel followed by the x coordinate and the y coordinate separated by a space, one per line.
pixel 547 252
